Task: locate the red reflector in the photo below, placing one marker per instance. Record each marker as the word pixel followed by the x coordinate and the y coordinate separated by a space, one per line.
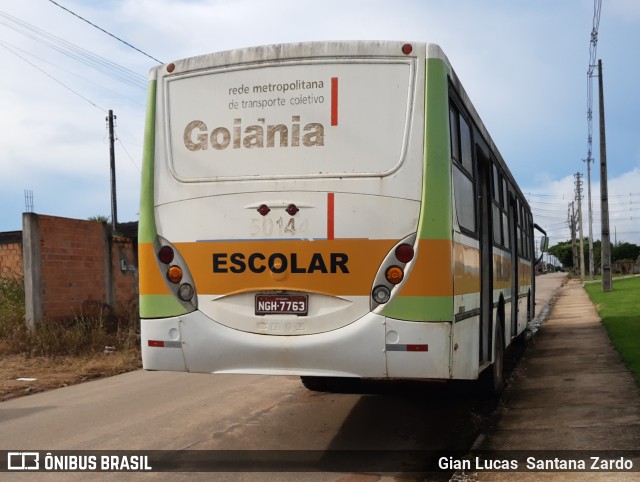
pixel 263 209
pixel 158 343
pixel 407 49
pixel 417 347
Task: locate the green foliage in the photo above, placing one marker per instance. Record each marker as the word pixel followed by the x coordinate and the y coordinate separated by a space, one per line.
pixel 564 252
pixel 620 313
pixel 624 252
pixel 11 300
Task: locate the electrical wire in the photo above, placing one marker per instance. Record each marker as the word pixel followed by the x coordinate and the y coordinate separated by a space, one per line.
pixel 86 99
pixel 75 52
pixel 105 31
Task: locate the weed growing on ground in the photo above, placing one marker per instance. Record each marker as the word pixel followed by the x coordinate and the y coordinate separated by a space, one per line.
pixel 77 336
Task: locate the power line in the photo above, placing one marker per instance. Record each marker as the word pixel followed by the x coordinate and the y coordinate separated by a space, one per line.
pixel 2 44
pixel 59 67
pixel 73 51
pixel 105 31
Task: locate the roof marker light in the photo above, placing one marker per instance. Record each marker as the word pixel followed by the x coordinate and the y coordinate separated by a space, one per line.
pixel 407 49
pixel 263 209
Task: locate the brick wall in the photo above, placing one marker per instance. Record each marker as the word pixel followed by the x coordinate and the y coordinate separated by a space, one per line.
pixel 75 267
pixel 124 265
pixel 11 254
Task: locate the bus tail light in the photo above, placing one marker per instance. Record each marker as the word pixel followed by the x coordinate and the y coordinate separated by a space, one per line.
pixel 381 294
pixel 404 253
pixel 186 292
pixel 166 254
pixel 392 271
pixel 394 275
pixel 176 273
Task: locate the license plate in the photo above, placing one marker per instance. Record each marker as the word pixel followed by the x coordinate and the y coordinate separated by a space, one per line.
pixel 282 304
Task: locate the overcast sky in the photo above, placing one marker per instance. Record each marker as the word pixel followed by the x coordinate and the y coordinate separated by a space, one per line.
pixel 523 63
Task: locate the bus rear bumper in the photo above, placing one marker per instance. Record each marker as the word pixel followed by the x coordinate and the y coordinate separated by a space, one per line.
pixel 371 347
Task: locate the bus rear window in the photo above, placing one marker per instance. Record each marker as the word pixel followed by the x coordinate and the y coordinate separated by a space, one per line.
pixel 300 119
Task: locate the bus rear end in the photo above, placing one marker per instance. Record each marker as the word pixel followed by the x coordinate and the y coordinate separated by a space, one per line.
pixel 282 214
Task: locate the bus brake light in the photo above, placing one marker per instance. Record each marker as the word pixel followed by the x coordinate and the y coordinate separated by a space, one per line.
pixel 166 254
pixel 404 253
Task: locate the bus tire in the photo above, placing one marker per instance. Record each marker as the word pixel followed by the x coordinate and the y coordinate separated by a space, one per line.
pixel 315 384
pixel 492 380
pixel 331 384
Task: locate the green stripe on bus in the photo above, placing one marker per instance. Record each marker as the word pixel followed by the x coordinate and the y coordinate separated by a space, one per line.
pixel 435 218
pixel 160 306
pixel 420 308
pixel 147 225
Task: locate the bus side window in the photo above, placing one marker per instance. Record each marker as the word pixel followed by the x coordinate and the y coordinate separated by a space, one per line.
pixel 465 197
pixel 505 215
pixel 465 146
pixel 462 170
pixel 496 215
pixel 453 128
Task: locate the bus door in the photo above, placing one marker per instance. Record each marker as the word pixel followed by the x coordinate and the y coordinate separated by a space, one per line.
pixel 514 219
pixel 486 253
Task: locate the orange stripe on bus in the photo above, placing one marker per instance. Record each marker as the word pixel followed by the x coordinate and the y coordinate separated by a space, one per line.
pixel 431 274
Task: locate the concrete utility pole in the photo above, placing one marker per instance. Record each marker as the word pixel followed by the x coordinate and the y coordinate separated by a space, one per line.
pixel 604 194
pixel 578 177
pixel 112 158
pixel 591 267
pixel 572 224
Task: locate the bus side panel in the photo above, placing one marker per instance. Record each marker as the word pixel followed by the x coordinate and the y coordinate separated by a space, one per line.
pixel 155 300
pixel 418 350
pixel 434 254
pixel 466 350
pixel 161 346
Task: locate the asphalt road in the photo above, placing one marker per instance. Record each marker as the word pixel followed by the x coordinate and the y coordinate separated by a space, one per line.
pixel 181 411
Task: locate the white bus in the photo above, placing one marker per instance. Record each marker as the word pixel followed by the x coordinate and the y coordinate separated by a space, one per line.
pixel 328 209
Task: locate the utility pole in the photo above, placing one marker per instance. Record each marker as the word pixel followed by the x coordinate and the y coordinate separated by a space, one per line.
pixel 604 194
pixel 578 190
pixel 112 158
pixel 591 267
pixel 572 224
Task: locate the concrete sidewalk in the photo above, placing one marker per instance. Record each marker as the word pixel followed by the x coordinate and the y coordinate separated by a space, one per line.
pixel 569 392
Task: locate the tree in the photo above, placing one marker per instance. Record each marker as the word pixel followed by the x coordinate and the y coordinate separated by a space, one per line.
pixel 624 251
pixel 564 252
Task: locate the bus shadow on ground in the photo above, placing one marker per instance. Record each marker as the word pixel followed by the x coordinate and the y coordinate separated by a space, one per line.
pixel 407 426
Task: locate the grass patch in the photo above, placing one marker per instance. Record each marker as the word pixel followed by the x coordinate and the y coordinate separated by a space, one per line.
pixel 61 352
pixel 620 313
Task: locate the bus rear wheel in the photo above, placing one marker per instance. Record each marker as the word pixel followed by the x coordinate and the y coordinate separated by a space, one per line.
pixel 492 381
pixel 330 384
